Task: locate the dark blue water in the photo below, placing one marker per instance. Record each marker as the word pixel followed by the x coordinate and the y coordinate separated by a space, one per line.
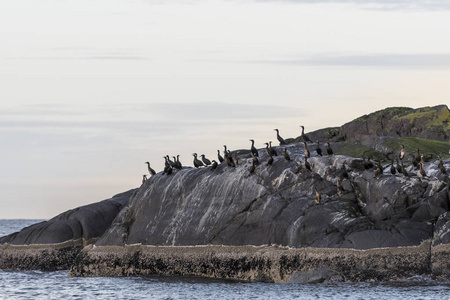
pixel 56 285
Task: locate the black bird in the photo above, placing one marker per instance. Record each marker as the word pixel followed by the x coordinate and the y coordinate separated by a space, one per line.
pixel 253 149
pixel 197 162
pixel 214 165
pixel 255 160
pixel 344 171
pixel 414 161
pixel 168 169
pixel 329 150
pixel 279 138
pixel 304 136
pixel 305 150
pixel 270 161
pixel 365 164
pixel 178 162
pixel 318 150
pixel 418 156
pixel 422 172
pixel 404 172
pixel 150 170
pixel 393 170
pixel 398 167
pixel 272 150
pixel 307 164
pixel 235 159
pixel 219 156
pixel 286 154
pixel 144 178
pixel 267 149
pixel 252 168
pixel 441 166
pixel 369 163
pixel 206 161
pixel 225 153
pixel 172 164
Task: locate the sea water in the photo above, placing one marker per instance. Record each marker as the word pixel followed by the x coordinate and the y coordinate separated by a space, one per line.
pixel 57 285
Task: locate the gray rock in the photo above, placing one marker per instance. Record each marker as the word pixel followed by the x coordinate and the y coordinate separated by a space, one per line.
pixel 87 222
pixel 274 205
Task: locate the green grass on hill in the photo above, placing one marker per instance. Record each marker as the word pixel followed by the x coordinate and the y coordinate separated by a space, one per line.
pixel 429 148
pixel 359 151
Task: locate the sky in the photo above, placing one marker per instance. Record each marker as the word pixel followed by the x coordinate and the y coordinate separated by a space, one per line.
pixel 92 89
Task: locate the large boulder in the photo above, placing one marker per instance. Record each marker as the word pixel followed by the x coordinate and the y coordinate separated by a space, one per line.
pixel 87 222
pixel 276 205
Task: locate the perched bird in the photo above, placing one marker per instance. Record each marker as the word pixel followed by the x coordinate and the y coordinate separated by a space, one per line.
pixel 144 178
pixel 369 163
pixel 178 162
pixel 441 166
pixel 329 150
pixel 279 138
pixel 318 198
pixel 378 171
pixel 365 164
pixel 150 170
pixel 267 149
pixel 172 164
pixel 422 172
pixel 228 160
pixel 304 136
pixel 418 156
pixel 404 172
pixel 253 149
pixel 270 161
pixel 299 167
pixel 393 170
pixel 307 164
pixel 286 154
pixel 402 152
pixel 235 159
pixel 414 161
pixel 206 161
pixel 197 163
pixel 305 150
pixel 398 167
pixel 214 165
pixel 318 150
pixel 168 169
pixel 255 160
pixel 339 187
pixel 219 156
pixel 344 171
pixel 272 150
pixel 252 168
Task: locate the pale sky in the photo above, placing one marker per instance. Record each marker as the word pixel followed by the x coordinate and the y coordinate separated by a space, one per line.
pixel 91 89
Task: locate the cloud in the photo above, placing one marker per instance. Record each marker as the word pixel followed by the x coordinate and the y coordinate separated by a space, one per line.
pixel 414 61
pixel 380 4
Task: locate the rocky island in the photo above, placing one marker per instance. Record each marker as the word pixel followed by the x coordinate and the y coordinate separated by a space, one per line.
pixel 369 211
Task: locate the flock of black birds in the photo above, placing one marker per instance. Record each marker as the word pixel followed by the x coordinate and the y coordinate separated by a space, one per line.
pixel 231 160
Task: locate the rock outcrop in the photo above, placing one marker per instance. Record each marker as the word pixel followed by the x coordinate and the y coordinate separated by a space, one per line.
pixel 54 244
pixel 335 221
pixel 426 122
pixel 276 205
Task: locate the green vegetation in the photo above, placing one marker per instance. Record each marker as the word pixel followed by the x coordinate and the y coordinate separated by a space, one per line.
pixel 388 112
pixel 359 151
pixel 437 116
pixel 429 148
